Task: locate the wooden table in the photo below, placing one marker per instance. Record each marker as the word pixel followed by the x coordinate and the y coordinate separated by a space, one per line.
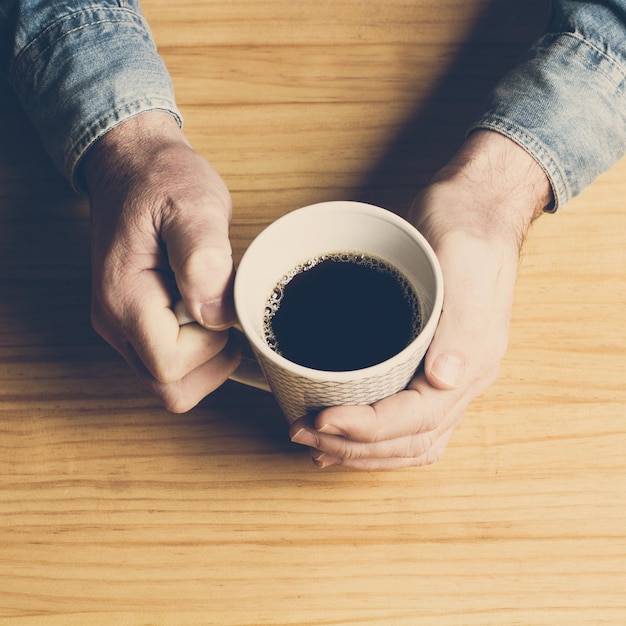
pixel 113 511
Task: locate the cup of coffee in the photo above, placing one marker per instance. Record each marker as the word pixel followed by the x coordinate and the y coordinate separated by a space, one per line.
pixel 339 302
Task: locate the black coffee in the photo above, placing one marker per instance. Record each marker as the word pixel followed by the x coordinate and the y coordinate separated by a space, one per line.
pixel 342 311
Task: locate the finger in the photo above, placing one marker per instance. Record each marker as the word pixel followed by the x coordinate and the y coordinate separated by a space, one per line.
pixel 182 395
pixel 475 316
pixel 146 322
pixel 383 461
pixel 200 254
pixel 418 409
pixel 414 446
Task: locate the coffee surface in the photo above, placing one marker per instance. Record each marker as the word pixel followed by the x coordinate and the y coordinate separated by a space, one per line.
pixel 341 312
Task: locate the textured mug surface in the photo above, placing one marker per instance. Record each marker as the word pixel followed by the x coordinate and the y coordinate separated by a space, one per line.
pixel 326 228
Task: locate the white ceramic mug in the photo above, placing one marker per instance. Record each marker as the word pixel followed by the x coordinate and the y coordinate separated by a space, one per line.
pixel 306 233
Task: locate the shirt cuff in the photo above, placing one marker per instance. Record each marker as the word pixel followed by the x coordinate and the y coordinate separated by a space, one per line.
pixel 565 105
pixel 86 73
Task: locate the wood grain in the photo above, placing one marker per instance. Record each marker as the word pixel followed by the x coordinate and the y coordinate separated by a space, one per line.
pixel 113 511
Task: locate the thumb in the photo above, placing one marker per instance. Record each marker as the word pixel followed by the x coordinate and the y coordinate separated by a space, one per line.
pixel 447 358
pixel 473 329
pixel 200 256
pixel 206 286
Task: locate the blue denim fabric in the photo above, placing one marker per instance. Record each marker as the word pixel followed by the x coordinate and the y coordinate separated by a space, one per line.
pixel 80 67
pixel 565 102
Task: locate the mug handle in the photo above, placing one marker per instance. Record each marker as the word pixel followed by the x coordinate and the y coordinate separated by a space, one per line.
pixel 249 371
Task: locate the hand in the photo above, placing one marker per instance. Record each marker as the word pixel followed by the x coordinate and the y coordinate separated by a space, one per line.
pixel 160 219
pixel 475 215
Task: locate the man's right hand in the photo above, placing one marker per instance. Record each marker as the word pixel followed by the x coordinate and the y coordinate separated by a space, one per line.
pixel 160 220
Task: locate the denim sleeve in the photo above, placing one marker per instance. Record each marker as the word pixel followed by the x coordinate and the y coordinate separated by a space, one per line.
pixel 79 68
pixel 565 102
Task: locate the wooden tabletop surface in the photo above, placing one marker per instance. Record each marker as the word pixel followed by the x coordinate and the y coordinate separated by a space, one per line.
pixel 115 512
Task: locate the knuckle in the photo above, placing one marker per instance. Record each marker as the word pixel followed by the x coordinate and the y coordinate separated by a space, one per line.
pixel 171 398
pixel 218 257
pixel 421 418
pixel 433 455
pixel 166 372
pixel 438 446
pixel 348 450
pixel 418 446
pixel 430 458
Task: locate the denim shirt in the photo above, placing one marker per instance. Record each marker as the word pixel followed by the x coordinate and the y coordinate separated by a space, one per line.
pixel 80 67
pixel 565 102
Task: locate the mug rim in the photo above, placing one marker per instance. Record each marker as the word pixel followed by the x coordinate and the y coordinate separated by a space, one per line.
pixel 331 376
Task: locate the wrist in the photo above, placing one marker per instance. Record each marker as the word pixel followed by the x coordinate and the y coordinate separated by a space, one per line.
pixel 128 147
pixel 504 169
pixel 490 186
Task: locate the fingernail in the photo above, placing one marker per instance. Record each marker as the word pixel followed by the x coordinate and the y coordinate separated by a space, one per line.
pixel 216 315
pixel 329 429
pixel 448 369
pixel 306 438
pixel 322 460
